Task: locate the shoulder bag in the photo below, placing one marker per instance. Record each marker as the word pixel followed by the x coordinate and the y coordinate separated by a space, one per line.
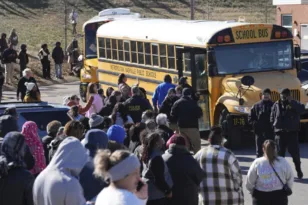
pixel 285 187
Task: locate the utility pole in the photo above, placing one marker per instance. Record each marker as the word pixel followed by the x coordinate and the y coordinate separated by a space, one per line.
pixel 65 23
pixel 192 9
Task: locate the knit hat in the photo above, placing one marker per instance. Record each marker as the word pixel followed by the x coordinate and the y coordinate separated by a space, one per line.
pixel 95 120
pixel 186 92
pixel 53 127
pixel 29 86
pixel 116 133
pixel 95 139
pixel 176 139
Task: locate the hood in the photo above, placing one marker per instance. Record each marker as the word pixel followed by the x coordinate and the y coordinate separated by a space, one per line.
pixel 7 124
pixel 71 156
pixel 95 139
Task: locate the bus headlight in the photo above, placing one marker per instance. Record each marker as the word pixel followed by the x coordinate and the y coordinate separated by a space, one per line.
pixel 242 109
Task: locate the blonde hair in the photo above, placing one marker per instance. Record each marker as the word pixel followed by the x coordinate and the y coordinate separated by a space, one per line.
pixel 24 72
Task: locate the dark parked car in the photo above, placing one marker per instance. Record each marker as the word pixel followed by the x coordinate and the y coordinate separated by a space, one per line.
pixel 40 113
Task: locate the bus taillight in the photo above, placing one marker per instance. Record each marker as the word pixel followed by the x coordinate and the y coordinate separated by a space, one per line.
pixel 220 39
pixel 277 34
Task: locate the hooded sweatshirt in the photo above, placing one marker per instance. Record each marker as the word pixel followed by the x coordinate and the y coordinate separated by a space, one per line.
pixel 58 183
pixel 95 139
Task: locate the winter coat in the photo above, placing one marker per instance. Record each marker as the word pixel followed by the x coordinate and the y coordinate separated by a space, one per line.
pixel 23 58
pixel 54 145
pixel 58 55
pixel 186 175
pixel 259 116
pixel 58 183
pixel 167 106
pixel 161 93
pixel 186 112
pixel 46 141
pixel 21 87
pixel 3 45
pixel 167 132
pixel 136 105
pixel 44 56
pixel 9 56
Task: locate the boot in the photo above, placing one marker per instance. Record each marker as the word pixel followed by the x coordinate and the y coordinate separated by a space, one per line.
pixel 300 174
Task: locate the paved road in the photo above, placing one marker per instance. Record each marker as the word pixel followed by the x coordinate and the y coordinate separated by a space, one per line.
pixel 55 94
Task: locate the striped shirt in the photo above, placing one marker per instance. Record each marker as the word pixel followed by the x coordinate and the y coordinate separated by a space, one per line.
pixel 223 182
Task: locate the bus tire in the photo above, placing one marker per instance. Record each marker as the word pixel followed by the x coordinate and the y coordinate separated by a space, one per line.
pixel 232 134
pixel 83 91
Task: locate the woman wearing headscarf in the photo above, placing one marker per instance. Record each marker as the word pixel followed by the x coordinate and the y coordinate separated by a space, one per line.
pixel 32 94
pixel 29 130
pixel 13 39
pixel 15 181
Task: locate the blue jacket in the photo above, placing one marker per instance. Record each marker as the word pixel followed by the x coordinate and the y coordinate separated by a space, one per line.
pixel 160 93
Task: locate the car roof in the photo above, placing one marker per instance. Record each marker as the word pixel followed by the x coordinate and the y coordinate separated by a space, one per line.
pixel 32 106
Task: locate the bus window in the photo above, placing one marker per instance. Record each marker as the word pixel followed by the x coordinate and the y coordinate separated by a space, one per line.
pixel 101 42
pixel 90 40
pixel 134 51
pixel 120 49
pixel 163 55
pixel 114 49
pixel 140 53
pixel 171 57
pixel 126 51
pixel 147 53
pixel 155 54
pixel 108 48
pixel 186 62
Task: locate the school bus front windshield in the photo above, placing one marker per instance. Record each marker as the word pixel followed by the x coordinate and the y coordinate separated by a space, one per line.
pixel 255 57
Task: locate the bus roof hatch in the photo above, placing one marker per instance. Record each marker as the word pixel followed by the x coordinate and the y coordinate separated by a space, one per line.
pixel 115 11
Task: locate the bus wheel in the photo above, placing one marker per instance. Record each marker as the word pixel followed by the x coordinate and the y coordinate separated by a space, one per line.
pixel 232 134
pixel 83 91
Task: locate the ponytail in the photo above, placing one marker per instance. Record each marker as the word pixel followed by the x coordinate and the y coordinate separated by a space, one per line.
pixel 270 152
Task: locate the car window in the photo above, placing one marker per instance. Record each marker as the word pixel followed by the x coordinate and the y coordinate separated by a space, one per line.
pixel 43 118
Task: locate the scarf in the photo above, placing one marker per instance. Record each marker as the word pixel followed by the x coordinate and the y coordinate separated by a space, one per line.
pixel 29 130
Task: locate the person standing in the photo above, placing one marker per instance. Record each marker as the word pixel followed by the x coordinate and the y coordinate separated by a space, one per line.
pixel 13 39
pixel 259 118
pixel 119 115
pixel 2 71
pixel 58 57
pixel 72 51
pixel 97 103
pixel 187 112
pixel 285 118
pixel 44 58
pixel 21 87
pixel 124 88
pixel 23 58
pixel 167 105
pixel 161 92
pixel 9 58
pixel 136 105
pixel 3 44
pixel 262 180
pixel 74 18
pixel 223 181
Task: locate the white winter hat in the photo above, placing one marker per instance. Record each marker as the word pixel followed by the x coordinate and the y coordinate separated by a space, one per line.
pixel 29 86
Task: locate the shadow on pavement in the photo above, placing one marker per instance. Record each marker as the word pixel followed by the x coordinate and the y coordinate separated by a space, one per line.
pixel 301 181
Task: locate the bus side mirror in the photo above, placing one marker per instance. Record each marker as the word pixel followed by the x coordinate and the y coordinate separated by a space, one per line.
pixel 212 69
pixel 210 57
pixel 298 65
pixel 297 52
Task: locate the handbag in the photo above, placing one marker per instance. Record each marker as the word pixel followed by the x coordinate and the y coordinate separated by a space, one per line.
pixel 285 187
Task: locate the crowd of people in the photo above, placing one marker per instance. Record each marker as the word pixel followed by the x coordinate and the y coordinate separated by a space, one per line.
pixel 119 150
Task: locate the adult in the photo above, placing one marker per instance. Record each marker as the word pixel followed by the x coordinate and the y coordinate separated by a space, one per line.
pixel 2 71
pixel 33 94
pixel 58 57
pixel 109 106
pixel 100 91
pixel 139 149
pixel 168 102
pixel 184 84
pixel 147 115
pixel 13 39
pixel 136 105
pixel 116 133
pixel 74 18
pixel 155 171
pixel 94 140
pixel 161 92
pixel 9 59
pixel 186 112
pixel 72 51
pixel 285 117
pixel 124 88
pixel 118 96
pixel 120 116
pixel 163 126
pixel 97 103
pixel 96 121
pixel 52 130
pixel 23 58
pixel 134 135
pixel 58 183
pixel 186 173
pixel 259 118
pixel 121 169
pixel 29 130
pixel 109 91
pixel 15 181
pixel 262 180
pixel 21 87
pixel 3 44
pixel 45 60
pixel 220 185
pixel 144 94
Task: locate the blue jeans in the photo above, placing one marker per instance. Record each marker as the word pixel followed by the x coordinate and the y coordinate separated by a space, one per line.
pixel 58 70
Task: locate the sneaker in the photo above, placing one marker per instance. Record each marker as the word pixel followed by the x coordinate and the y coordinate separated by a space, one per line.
pixel 300 174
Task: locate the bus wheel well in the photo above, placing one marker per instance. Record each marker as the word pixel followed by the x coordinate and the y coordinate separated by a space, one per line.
pixel 218 110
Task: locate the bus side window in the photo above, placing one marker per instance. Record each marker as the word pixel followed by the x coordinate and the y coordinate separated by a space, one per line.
pixel 108 48
pixel 163 55
pixel 120 50
pixel 186 62
pixel 147 53
pixel 134 51
pixel 101 43
pixel 114 49
pixel 126 51
pixel 171 57
pixel 140 53
pixel 155 54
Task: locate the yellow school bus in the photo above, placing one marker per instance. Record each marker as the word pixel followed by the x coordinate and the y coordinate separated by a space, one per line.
pixel 228 63
pixel 88 72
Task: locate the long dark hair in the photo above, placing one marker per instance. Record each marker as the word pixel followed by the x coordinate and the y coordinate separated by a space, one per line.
pixel 119 108
pixel 109 91
pixel 270 152
pixel 90 90
pixel 121 77
pixel 74 111
pixel 135 130
pixel 150 144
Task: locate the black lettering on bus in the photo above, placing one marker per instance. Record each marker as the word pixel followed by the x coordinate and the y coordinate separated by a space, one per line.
pixel 140 72
pixel 151 74
pixel 238 35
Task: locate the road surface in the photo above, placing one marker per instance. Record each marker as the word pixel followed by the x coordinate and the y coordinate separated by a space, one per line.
pixel 55 94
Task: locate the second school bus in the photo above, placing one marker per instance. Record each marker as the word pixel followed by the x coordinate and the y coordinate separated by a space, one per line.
pixel 228 63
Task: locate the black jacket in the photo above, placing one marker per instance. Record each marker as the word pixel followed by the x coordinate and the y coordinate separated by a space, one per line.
pixel 21 87
pixel 186 175
pixel 16 187
pixel 107 110
pixel 58 55
pixel 285 116
pixel 53 146
pixel 259 116
pixel 23 58
pixel 186 112
pixel 9 56
pixel 46 142
pixel 136 105
pixel 167 105
pixel 167 132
